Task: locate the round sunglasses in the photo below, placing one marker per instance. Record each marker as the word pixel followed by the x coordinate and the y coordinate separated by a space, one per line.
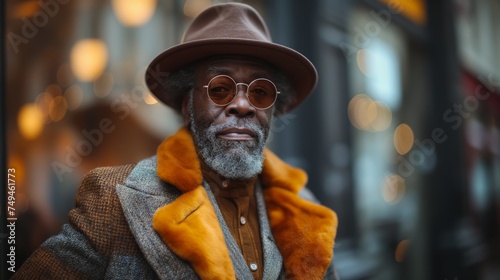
pixel 261 93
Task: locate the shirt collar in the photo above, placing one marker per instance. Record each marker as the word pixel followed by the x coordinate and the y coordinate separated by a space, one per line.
pixel 224 187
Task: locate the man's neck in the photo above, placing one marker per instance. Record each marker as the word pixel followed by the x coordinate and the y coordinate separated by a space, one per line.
pixel 227 187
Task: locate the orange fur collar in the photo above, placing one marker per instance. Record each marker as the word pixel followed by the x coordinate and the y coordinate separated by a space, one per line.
pixel 304 231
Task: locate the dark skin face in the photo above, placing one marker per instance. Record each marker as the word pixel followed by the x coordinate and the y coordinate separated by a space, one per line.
pixel 242 70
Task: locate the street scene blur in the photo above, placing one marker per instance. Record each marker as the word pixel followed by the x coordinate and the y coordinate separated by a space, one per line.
pixel 401 136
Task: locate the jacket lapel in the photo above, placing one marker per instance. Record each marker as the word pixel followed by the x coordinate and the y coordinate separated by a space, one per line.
pixel 304 231
pixel 141 195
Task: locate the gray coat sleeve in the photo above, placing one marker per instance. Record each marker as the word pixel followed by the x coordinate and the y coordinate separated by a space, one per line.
pixel 68 255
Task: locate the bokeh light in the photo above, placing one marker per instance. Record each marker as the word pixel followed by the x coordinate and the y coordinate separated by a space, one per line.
pixel 414 10
pixel 400 252
pixel 57 108
pixel 30 121
pixel 150 99
pixel 393 188
pixel 54 90
pixel 16 161
pixel 361 60
pixel 88 59
pixel 403 138
pixel 26 9
pixel 43 101
pixel 192 8
pixel 367 114
pixel 134 12
pixel 383 119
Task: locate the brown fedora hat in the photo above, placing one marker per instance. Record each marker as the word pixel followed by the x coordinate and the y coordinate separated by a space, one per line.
pixel 230 29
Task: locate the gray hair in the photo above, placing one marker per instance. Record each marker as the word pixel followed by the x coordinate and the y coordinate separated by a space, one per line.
pixel 287 93
pixel 179 82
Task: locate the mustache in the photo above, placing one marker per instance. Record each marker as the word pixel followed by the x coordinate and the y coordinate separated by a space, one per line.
pixel 240 123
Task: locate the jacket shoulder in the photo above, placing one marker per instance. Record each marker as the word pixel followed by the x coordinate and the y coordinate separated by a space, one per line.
pixel 110 175
pixel 98 213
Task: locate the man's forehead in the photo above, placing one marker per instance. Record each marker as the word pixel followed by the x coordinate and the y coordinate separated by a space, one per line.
pixel 227 63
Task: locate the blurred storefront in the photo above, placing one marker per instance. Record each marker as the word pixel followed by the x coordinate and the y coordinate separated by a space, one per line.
pixel 387 138
pixel 401 137
pixel 478 44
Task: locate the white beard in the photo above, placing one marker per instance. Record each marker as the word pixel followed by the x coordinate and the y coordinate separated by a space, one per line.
pixel 240 160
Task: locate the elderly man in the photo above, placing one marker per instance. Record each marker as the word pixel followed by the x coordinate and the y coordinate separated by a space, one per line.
pixel 213 203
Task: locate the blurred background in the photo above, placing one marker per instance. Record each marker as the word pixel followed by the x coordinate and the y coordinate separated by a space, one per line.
pixel 401 138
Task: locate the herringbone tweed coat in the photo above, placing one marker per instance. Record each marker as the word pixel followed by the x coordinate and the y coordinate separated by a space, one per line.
pixel 158 219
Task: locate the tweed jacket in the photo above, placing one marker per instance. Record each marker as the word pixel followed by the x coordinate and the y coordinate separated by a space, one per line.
pixel 158 219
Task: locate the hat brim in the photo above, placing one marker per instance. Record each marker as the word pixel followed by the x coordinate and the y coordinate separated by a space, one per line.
pixel 298 69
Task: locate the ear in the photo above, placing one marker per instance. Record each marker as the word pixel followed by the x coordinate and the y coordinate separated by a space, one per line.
pixel 185 107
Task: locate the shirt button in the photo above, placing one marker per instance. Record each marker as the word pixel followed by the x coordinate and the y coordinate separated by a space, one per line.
pixel 225 184
pixel 243 220
pixel 253 267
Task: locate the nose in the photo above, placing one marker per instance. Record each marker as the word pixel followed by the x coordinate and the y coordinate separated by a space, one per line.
pixel 240 106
